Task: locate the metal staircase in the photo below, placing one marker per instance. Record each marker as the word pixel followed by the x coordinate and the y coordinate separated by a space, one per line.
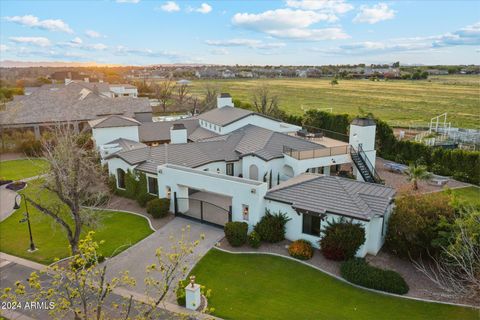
pixel 364 166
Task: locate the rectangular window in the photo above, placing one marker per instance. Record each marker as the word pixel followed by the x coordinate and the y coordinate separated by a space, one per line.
pixel 230 169
pixel 311 225
pixel 152 185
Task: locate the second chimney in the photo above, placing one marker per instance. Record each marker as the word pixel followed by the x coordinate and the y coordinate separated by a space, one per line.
pixel 178 133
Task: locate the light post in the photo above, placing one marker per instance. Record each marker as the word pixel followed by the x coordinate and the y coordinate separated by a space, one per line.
pixel 27 218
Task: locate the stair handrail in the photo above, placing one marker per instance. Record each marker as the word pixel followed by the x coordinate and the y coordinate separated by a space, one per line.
pixel 369 165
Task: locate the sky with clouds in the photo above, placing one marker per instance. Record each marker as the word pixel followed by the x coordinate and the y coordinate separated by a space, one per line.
pixel 290 32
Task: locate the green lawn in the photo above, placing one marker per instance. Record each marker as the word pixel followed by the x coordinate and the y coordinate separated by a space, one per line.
pixel 400 102
pixel 24 168
pixel 269 287
pixel 470 195
pixel 119 230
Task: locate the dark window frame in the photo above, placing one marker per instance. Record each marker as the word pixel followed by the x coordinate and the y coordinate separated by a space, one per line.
pixel 150 184
pixel 121 179
pixel 230 165
pixel 309 224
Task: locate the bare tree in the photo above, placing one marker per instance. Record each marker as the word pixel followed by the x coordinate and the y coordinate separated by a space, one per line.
pixel 75 178
pixel 265 102
pixel 210 101
pixel 182 94
pixel 457 269
pixel 163 92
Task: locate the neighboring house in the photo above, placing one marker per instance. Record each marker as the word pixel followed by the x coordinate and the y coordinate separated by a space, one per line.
pixel 124 90
pixel 75 102
pixel 245 163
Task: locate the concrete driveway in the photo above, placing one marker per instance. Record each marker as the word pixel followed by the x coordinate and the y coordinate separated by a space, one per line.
pixel 7 200
pixel 136 258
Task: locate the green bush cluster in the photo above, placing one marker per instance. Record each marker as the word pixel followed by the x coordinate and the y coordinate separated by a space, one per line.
pixel 158 207
pixel 416 224
pixel 271 227
pixel 254 240
pixel 135 187
pixel 236 233
pixel 341 239
pixel 358 271
pixel 180 293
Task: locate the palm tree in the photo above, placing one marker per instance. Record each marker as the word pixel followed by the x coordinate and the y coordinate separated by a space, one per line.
pixel 416 173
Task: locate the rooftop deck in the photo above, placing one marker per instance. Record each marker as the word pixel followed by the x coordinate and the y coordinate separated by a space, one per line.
pixel 317 153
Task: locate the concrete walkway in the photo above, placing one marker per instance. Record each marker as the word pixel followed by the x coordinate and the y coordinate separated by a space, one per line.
pixel 7 201
pixel 136 258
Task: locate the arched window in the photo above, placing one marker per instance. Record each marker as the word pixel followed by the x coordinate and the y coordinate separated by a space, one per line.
pixel 253 172
pixel 120 178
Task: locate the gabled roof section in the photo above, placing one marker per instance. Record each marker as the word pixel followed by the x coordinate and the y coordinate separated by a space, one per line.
pixel 225 115
pixel 320 194
pixel 113 122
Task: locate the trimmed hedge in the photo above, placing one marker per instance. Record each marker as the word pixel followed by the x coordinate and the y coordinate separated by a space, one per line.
pixel 236 233
pixel 271 227
pixel 358 271
pixel 341 239
pixel 254 239
pixel 301 249
pixel 158 208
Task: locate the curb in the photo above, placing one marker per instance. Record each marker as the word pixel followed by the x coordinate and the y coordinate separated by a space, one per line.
pixel 131 212
pixel 345 281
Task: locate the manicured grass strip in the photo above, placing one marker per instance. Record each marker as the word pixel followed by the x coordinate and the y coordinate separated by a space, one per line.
pixel 269 287
pixel 21 169
pixel 470 195
pixel 119 230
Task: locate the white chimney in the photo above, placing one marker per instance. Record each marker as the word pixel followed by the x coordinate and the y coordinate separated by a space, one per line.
pixel 224 100
pixel 178 133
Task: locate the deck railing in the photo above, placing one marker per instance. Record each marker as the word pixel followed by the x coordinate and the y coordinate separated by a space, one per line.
pixel 316 153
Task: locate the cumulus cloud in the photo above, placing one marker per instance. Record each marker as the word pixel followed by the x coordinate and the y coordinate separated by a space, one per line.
pixel 204 8
pixel 77 41
pixel 3 48
pixel 290 24
pixel 333 6
pixel 93 34
pixel 170 6
pixel 469 35
pixel 376 13
pixel 36 41
pixel 35 22
pixel 126 51
pixel 250 43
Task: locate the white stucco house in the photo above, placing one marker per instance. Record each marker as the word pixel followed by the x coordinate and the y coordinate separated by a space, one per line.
pixel 231 164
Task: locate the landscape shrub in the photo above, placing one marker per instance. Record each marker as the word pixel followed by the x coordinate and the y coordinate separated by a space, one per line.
pixel 301 249
pixel 341 239
pixel 359 272
pixel 158 208
pixel 180 293
pixel 414 229
pixel 254 239
pixel 236 233
pixel 271 227
pixel 31 147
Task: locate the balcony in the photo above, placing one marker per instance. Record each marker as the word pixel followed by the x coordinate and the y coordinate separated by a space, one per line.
pixel 317 152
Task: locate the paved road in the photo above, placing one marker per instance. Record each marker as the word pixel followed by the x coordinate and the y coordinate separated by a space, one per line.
pixel 136 258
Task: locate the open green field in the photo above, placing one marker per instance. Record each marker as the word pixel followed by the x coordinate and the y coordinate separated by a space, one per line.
pixel 400 102
pixel 119 230
pixel 23 168
pixel 259 286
